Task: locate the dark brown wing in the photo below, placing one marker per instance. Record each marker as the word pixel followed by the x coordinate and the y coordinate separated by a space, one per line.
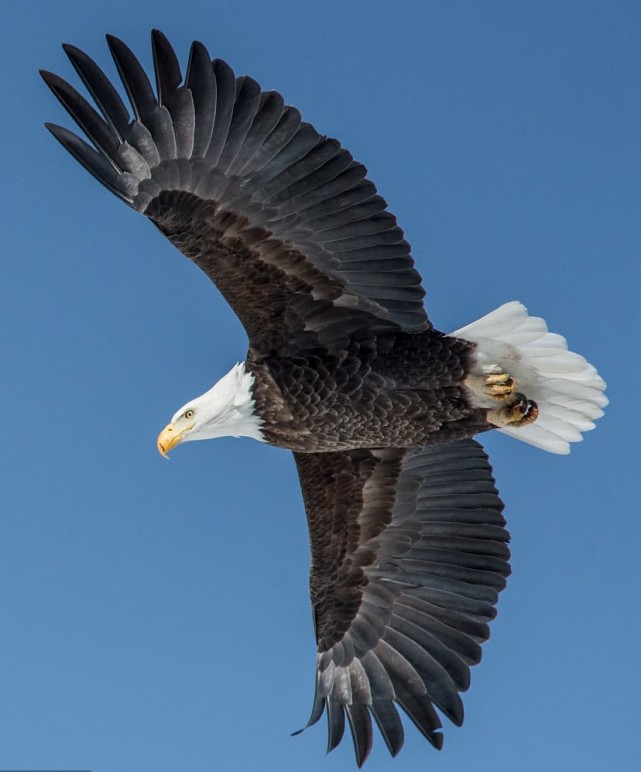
pixel 281 218
pixel 409 553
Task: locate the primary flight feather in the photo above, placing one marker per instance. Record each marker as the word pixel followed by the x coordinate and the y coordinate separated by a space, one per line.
pixel 408 542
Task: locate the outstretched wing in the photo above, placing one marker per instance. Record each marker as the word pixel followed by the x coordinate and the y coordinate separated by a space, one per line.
pixel 281 218
pixel 409 553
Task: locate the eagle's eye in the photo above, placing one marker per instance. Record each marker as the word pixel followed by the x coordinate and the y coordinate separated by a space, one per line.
pixel 188 414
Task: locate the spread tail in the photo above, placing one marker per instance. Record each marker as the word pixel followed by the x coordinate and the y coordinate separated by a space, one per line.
pixel 567 388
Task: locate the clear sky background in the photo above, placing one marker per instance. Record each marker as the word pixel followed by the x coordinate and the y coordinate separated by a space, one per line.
pixel 154 615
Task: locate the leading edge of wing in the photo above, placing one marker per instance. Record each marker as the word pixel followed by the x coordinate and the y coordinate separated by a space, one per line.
pixel 409 553
pixel 222 139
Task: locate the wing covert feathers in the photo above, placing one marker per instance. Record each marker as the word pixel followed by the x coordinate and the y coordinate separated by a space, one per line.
pixel 273 180
pixel 409 553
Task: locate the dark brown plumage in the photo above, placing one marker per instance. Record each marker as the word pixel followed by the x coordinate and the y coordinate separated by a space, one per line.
pixel 408 544
pixel 351 378
pixel 409 552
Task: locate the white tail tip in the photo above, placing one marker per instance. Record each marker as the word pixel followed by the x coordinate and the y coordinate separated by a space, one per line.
pixel 566 387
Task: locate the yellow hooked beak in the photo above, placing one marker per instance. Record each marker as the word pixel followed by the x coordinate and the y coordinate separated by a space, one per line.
pixel 170 436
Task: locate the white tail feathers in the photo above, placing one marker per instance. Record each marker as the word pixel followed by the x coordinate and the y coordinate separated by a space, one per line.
pixel 567 388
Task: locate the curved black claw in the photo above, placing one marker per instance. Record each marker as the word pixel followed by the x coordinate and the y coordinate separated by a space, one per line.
pixel 524 410
pixel 520 411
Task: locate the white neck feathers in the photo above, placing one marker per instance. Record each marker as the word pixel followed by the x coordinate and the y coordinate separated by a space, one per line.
pixel 227 409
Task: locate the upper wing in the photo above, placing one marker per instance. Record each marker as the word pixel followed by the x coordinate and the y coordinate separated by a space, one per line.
pixel 409 553
pixel 281 218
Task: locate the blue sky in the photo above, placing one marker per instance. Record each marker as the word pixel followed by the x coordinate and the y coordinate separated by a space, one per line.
pixel 154 615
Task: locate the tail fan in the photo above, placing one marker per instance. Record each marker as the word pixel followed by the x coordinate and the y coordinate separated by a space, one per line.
pixel 566 387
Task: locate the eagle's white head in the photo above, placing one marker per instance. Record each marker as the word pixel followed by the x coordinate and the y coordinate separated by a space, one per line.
pixel 226 410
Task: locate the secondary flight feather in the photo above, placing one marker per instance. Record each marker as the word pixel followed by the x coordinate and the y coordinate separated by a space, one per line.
pixel 408 542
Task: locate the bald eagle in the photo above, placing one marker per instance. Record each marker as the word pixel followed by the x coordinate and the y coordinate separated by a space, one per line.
pixel 344 368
